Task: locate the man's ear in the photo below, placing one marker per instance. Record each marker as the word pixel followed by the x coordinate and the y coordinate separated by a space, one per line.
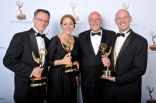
pixel 130 19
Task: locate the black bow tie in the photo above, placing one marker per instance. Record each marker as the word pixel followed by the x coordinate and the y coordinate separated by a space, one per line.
pixel 43 35
pixel 99 34
pixel 118 34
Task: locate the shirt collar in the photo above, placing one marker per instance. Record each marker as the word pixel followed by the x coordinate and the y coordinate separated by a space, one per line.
pixel 36 31
pixel 94 32
pixel 126 32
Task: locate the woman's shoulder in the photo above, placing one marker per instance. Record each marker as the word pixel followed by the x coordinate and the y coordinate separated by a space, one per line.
pixel 75 38
pixel 54 39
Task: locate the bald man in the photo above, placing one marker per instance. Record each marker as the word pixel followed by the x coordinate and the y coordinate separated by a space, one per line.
pixel 91 64
pixel 129 60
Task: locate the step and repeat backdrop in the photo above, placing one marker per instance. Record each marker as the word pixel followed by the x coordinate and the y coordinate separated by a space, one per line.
pixel 16 16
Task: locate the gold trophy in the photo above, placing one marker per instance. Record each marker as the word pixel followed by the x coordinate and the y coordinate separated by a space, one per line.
pixel 20 16
pixel 150 91
pixel 38 81
pixel 106 73
pixel 69 67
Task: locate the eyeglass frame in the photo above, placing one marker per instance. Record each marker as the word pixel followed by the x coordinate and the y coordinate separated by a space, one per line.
pixel 40 20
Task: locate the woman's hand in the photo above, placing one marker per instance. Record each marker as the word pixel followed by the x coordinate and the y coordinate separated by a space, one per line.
pixel 67 59
pixel 77 64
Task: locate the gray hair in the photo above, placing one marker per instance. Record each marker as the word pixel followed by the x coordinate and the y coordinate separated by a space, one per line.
pixel 41 10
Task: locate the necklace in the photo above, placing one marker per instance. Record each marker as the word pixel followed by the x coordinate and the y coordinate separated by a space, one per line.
pixel 69 41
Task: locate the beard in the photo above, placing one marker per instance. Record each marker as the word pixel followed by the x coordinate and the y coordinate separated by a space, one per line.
pixel 96 27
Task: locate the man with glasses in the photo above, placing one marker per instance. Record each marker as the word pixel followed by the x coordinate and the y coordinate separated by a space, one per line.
pixel 19 59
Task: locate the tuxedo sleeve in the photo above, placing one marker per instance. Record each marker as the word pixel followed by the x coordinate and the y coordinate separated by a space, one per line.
pixel 77 58
pixel 52 48
pixel 139 64
pixel 12 58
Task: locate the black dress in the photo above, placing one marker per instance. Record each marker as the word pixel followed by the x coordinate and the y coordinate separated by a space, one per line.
pixel 62 87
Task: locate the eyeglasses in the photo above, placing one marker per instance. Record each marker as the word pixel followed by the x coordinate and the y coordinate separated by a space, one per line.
pixel 40 20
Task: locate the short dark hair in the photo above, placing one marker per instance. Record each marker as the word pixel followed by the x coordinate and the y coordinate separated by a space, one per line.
pixel 41 10
pixel 69 16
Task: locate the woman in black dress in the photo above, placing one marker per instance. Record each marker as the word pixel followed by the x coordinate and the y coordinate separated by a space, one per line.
pixel 62 87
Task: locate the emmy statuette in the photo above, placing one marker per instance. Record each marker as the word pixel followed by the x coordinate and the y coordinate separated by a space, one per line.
pixel 38 81
pixel 20 16
pixel 152 47
pixel 106 73
pixel 69 67
pixel 150 91
pixel 73 7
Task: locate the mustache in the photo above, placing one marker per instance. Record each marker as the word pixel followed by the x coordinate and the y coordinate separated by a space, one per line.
pixel 96 27
pixel 95 24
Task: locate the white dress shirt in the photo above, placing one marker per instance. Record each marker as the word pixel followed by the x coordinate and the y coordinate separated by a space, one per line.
pixel 96 40
pixel 119 42
pixel 41 44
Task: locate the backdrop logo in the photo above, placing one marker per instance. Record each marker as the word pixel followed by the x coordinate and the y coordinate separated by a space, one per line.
pixel 152 47
pixel 2 98
pixel 73 7
pixel 20 16
pixel 1 47
pixel 46 33
pixel 125 5
pixel 150 91
pixel 12 74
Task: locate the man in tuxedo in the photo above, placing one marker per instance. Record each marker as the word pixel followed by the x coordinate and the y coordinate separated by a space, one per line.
pixel 129 60
pixel 19 59
pixel 91 64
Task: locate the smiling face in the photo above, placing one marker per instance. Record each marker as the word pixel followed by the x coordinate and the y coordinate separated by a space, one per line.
pixel 123 20
pixel 41 21
pixel 67 25
pixel 95 21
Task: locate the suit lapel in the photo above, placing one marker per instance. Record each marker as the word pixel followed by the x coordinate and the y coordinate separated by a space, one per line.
pixel 112 53
pixel 46 47
pixel 34 45
pixel 125 45
pixel 89 43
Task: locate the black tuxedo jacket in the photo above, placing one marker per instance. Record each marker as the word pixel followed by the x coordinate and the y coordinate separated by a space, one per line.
pixel 19 59
pixel 130 66
pixel 91 65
